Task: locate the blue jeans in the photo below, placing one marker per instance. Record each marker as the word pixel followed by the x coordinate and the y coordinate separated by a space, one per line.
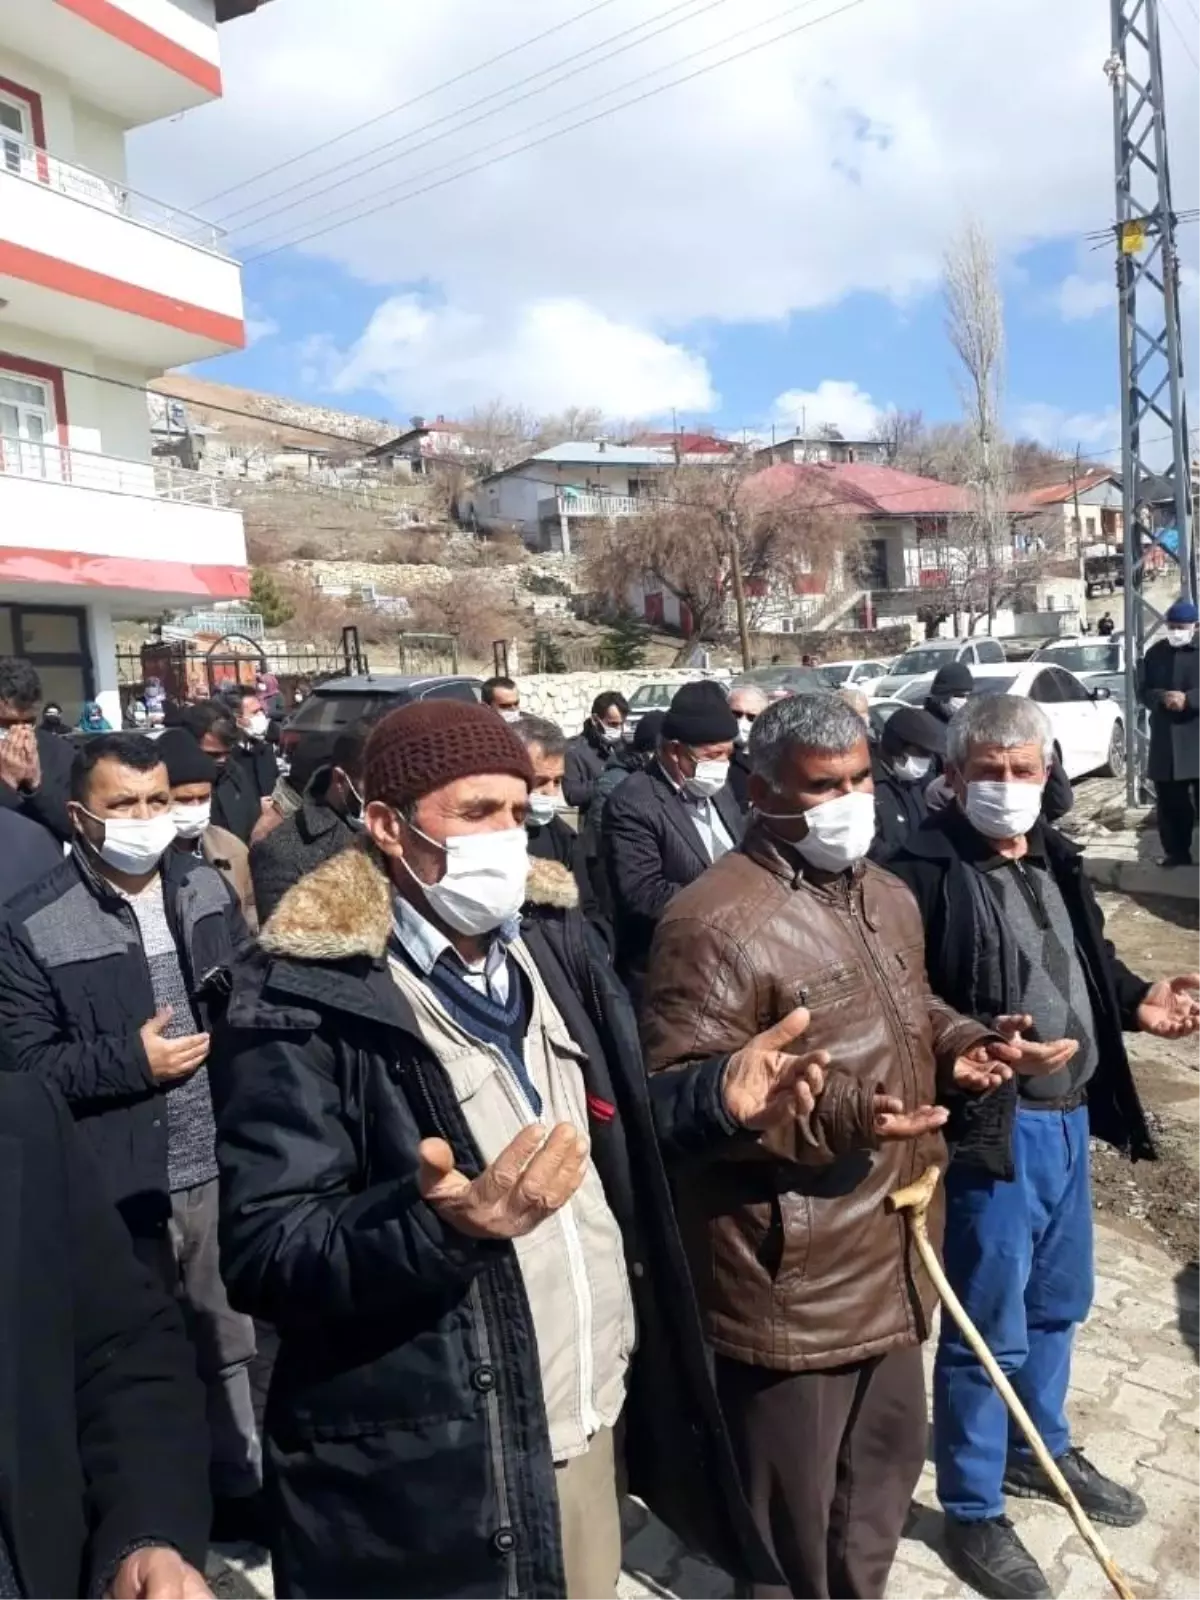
pixel 1019 1257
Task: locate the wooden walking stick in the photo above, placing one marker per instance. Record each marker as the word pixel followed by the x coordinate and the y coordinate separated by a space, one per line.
pixel 914 1202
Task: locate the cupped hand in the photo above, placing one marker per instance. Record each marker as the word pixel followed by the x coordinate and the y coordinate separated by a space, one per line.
pixel 766 1082
pixel 1171 1009
pixel 533 1177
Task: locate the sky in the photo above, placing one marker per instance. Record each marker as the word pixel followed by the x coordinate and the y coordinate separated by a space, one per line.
pixel 757 247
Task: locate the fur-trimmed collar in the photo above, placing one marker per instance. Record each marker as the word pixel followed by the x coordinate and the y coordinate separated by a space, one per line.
pixel 344 907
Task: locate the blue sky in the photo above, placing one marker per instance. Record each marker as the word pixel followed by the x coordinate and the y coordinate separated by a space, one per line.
pixel 762 239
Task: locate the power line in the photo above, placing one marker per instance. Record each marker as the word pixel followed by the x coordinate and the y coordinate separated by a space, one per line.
pixel 404 105
pixel 1182 36
pixel 498 94
pixel 583 122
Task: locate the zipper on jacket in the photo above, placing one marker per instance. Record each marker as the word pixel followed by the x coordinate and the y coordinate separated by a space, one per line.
pixel 898 1028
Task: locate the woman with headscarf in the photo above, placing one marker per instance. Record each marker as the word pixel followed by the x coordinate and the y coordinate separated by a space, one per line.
pixel 93 719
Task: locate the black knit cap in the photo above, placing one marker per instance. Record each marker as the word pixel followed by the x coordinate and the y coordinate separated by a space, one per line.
pixel 184 759
pixel 954 678
pixel 915 728
pixel 646 734
pixel 699 714
pixel 429 743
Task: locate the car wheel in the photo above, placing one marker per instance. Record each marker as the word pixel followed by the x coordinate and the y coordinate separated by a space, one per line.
pixel 1114 767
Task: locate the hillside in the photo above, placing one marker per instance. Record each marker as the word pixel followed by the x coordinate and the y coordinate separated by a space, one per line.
pixel 273 419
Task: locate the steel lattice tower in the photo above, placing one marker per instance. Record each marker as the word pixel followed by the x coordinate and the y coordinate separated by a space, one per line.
pixel 1153 404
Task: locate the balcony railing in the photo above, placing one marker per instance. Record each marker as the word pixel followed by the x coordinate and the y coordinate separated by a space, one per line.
pixel 19 160
pixel 84 469
pixel 592 505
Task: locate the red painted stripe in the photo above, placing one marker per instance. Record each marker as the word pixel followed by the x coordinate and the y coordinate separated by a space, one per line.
pixel 73 568
pixel 83 284
pixel 120 25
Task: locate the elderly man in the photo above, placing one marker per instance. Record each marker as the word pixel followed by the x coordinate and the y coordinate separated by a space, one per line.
pixel 550 839
pixel 814 1303
pixel 441 1182
pixel 746 703
pixel 1013 936
pixel 665 826
pixel 1170 689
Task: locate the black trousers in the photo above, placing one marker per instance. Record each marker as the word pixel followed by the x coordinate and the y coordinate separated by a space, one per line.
pixel 829 1461
pixel 1178 803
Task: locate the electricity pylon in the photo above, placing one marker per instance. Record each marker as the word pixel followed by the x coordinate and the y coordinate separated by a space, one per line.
pixel 1153 402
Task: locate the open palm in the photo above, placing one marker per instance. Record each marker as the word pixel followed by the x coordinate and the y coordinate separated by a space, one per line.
pixel 1171 1009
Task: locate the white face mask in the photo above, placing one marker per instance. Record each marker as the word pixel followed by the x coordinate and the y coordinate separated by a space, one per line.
pixel 840 832
pixel 258 724
pixel 511 714
pixel 1003 810
pixel 611 735
pixel 1179 637
pixel 743 733
pixel 911 769
pixel 543 808
pixel 956 702
pixel 134 844
pixel 191 820
pixel 484 881
pixel 708 779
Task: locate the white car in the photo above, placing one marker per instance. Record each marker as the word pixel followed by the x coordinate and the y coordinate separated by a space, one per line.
pixel 859 674
pixel 935 653
pixel 1088 724
pixel 1093 660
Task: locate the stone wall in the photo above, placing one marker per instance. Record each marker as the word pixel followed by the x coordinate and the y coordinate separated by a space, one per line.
pixel 838 644
pixel 566 697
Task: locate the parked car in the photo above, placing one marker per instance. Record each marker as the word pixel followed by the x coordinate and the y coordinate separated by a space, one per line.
pixel 314 726
pixel 781 679
pixel 935 653
pixel 653 697
pixel 1088 723
pixel 860 674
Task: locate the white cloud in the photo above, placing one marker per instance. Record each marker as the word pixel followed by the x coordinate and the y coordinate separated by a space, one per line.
pixel 550 354
pixel 1060 429
pixel 259 328
pixel 836 401
pixel 836 161
pixel 1080 298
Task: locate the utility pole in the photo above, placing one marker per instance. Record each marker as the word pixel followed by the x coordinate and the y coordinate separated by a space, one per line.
pixel 1151 348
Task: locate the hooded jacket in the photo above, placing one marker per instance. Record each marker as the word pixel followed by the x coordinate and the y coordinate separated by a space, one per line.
pixel 405 1430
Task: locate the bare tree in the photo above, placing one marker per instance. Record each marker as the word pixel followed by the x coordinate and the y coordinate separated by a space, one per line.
pixel 724 540
pixel 975 327
pixel 900 432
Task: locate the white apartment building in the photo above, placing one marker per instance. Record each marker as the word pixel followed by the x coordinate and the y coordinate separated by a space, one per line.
pixel 102 288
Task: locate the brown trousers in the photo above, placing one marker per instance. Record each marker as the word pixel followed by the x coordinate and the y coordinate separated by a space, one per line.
pixel 829 1461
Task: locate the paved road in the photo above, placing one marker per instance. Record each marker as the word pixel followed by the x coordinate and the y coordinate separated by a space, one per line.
pixel 1136 1410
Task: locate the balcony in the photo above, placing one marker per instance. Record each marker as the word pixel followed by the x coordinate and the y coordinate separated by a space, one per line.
pixel 89 259
pixel 581 504
pixel 136 59
pixel 149 533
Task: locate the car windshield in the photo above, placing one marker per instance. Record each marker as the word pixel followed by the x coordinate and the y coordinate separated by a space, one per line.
pixel 835 676
pixel 994 685
pixel 324 711
pixel 648 695
pixel 927 659
pixel 1104 657
pixel 913 693
pixel 798 679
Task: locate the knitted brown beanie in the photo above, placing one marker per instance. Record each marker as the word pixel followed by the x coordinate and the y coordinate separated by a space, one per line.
pixel 428 744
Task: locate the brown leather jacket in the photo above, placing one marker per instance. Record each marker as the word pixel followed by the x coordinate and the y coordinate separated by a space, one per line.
pixel 797 1262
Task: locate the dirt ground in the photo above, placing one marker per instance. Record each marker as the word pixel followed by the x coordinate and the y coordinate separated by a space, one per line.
pixel 1157 938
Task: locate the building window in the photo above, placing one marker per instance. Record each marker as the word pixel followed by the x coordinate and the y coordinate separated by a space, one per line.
pixel 22 132
pixel 33 422
pixel 54 640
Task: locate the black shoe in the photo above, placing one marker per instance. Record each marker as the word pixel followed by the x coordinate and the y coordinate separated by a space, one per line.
pixel 1100 1497
pixel 1175 861
pixel 239 1519
pixel 991 1558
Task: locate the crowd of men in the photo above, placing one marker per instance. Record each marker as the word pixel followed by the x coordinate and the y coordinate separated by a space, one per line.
pixel 556 1157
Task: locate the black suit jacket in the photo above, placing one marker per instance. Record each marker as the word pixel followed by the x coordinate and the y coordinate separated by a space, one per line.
pixel 102 1428
pixel 651 850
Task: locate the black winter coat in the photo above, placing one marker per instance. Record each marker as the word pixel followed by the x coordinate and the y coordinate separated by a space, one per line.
pixel 74 991
pixel 553 841
pixel 651 850
pixel 27 852
pixel 587 756
pixel 900 809
pixel 739 779
pixel 406 1443
pixel 1174 735
pixel 301 842
pixel 102 1431
pixel 47 803
pixel 236 804
pixel 933 862
pixel 258 762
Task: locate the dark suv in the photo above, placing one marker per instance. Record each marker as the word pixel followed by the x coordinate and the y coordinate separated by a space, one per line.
pixel 310 732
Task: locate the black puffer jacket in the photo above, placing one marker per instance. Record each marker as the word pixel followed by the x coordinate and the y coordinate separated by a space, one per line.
pixel 74 991
pixel 406 1441
pixel 934 862
pixel 104 1440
